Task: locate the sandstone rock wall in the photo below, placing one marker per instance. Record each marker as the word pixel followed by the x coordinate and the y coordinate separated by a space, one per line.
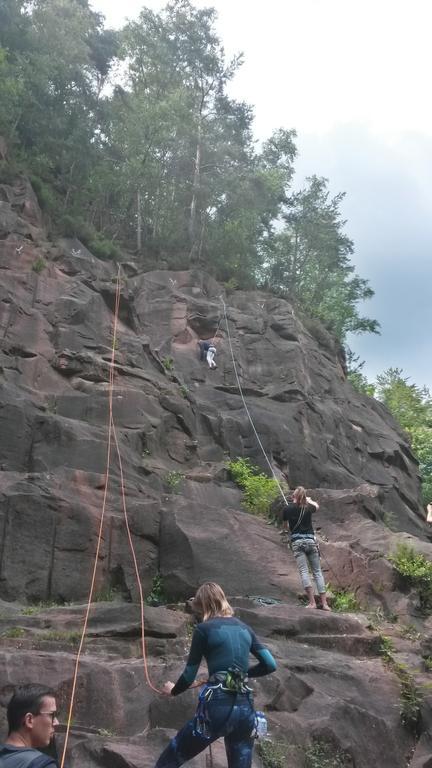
pixel 177 424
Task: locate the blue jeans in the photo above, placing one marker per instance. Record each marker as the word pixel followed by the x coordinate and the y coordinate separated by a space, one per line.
pixel 229 715
pixel 306 553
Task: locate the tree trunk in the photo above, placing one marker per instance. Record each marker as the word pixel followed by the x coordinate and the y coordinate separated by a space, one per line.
pixel 195 192
pixel 139 222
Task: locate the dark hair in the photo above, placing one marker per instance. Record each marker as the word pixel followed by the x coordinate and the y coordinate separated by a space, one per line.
pixel 26 698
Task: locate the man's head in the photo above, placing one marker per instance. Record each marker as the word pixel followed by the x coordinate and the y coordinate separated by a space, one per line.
pixel 32 712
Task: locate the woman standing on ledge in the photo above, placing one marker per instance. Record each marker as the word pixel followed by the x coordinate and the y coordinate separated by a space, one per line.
pixel 225 706
pixel 298 514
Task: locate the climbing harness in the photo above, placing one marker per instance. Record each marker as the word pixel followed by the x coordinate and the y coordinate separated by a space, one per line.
pixel 232 682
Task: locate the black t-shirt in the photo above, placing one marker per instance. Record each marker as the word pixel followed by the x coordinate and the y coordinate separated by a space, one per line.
pixel 292 513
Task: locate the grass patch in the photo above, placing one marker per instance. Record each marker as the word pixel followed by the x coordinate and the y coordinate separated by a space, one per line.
pixel 416 571
pixel 409 632
pixel 259 490
pixel 323 755
pixel 410 696
pixel 386 648
pixel 42 605
pixel 379 617
pixel 39 265
pixel 13 632
pixel 388 519
pixel 344 601
pixel 57 636
pixel 107 595
pixel 274 754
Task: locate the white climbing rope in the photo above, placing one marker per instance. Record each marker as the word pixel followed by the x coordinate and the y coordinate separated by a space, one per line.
pixel 246 406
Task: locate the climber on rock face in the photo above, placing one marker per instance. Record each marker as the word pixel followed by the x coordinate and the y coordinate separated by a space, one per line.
pixel 32 718
pixel 298 514
pixel 207 352
pixel 225 706
pixel 429 513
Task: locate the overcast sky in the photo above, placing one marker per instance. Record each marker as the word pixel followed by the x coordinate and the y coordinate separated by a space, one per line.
pixel 353 78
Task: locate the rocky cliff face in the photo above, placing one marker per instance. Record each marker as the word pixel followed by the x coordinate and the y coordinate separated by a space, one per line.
pixel 177 424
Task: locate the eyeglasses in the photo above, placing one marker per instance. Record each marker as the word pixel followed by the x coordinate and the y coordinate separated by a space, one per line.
pixel 53 715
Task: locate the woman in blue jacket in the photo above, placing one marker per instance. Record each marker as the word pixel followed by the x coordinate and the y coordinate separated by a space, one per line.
pixel 225 706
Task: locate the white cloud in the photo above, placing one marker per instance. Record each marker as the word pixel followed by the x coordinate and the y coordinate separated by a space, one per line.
pixel 315 63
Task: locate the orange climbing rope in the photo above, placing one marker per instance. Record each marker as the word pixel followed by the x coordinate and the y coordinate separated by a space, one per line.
pixel 135 562
pixel 111 433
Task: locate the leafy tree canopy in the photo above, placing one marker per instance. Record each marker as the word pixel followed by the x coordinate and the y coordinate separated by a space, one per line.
pixel 409 404
pixel 132 138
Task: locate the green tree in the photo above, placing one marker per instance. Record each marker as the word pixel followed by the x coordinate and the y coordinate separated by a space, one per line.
pixel 356 376
pixel 59 55
pixel 309 261
pixel 184 137
pixel 411 406
pixel 11 93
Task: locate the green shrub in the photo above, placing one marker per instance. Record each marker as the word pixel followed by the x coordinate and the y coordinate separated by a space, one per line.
pixel 344 601
pixel 231 285
pixel 173 480
pixel 323 755
pixel 103 248
pixel 410 699
pixel 410 696
pixel 157 595
pixel 39 265
pixel 8 172
pixel 75 226
pixel 428 663
pixel 416 570
pixel 96 242
pixel 259 490
pixel 44 193
pixel 168 363
pixel 387 648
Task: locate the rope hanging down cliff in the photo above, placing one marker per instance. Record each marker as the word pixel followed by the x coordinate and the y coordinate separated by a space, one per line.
pixel 246 406
pixel 112 437
pixel 256 433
